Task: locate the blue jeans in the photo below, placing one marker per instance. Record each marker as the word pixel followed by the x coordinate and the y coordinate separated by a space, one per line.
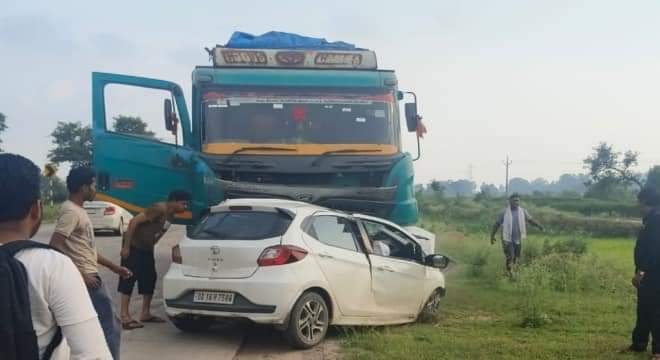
pixel 109 321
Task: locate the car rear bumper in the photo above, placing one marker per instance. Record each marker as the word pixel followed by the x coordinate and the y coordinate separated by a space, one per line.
pixel 266 297
pixel 105 224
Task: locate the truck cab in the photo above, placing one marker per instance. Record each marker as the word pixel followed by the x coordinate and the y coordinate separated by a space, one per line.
pixel 320 126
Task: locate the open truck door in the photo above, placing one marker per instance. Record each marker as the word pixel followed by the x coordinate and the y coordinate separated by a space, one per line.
pixel 139 158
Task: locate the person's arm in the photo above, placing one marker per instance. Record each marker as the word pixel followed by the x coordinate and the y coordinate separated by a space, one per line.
pixel 128 237
pixel 83 340
pixel 533 222
pixel 496 227
pixel 536 224
pixel 651 248
pixel 119 270
pixel 73 311
pixel 57 241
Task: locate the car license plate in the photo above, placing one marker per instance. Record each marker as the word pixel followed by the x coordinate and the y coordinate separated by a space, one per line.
pixel 214 297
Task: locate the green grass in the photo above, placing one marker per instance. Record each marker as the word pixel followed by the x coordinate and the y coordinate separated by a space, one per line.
pixel 50 213
pixel 483 312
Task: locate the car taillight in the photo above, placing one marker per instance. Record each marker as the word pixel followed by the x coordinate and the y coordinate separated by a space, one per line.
pixel 280 255
pixel 109 211
pixel 176 255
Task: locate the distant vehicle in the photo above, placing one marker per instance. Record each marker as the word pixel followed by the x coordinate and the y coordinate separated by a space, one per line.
pixel 107 216
pixel 301 268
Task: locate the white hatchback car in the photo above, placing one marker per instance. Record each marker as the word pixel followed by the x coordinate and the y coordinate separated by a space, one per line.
pixel 301 268
pixel 107 216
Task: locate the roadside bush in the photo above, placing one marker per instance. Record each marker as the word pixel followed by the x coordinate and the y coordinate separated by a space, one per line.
pixel 532 283
pixel 567 272
pixel 574 245
pixel 530 252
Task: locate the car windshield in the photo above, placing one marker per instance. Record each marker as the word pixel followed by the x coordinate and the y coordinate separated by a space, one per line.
pixel 298 117
pixel 240 225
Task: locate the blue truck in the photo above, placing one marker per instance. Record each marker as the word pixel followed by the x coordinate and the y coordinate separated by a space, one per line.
pixel 318 123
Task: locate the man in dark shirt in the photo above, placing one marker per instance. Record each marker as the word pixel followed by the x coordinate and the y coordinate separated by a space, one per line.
pixel 144 231
pixel 647 275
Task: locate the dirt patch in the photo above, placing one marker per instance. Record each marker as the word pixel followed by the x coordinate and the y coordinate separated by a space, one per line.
pixel 265 343
pixel 453 236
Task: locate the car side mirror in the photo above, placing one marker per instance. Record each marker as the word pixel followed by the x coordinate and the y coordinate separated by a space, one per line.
pixel 437 261
pixel 411 116
pixel 170 117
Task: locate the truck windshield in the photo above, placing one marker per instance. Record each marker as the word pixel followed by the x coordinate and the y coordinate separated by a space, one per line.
pixel 265 116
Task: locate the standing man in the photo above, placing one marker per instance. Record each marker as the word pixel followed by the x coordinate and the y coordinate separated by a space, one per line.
pixel 513 220
pixel 58 301
pixel 137 254
pixel 647 275
pixel 74 236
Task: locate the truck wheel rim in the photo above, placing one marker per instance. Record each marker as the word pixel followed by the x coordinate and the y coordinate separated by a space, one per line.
pixel 312 321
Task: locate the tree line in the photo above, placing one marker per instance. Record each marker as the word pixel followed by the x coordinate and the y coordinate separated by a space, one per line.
pixel 72 144
pixel 609 175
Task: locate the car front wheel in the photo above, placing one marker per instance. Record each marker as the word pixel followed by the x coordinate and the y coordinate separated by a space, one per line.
pixel 432 307
pixel 308 323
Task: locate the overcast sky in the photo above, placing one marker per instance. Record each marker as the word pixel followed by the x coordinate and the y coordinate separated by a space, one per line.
pixel 541 81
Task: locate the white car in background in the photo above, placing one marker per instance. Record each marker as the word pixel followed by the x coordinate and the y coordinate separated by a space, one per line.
pixel 301 268
pixel 107 216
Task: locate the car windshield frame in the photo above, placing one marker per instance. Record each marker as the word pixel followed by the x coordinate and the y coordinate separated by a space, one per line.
pixel 294 116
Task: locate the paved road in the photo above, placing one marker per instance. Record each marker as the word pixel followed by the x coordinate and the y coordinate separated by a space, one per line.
pixel 164 341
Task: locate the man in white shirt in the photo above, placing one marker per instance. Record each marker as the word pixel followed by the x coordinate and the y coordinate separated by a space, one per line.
pixel 513 220
pixel 58 296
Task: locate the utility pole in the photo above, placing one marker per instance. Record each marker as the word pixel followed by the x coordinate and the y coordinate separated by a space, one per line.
pixel 507 163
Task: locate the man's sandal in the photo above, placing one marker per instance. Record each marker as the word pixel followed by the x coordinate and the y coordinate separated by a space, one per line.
pixel 131 325
pixel 153 319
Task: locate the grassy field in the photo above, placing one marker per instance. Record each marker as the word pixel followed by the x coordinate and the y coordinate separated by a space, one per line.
pixel 570 300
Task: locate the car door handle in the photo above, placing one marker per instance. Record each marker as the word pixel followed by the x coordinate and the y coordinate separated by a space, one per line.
pixel 326 256
pixel 384 268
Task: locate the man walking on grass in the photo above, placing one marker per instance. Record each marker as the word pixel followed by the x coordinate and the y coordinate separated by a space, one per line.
pixel 647 275
pixel 74 236
pixel 137 254
pixel 513 220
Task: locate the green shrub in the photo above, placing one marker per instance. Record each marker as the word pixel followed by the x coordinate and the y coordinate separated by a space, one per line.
pixel 573 245
pixel 50 213
pixel 477 260
pixel 532 283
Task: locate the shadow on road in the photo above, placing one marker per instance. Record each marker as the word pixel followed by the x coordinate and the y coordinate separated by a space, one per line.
pixel 264 342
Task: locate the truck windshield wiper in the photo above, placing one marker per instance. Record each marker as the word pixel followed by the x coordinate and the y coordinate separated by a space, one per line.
pixel 254 148
pixel 341 151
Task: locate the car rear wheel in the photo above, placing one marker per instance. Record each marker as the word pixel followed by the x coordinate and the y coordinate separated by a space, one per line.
pixel 308 322
pixel 432 307
pixel 192 324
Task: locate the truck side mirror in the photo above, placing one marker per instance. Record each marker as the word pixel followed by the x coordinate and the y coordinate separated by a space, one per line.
pixel 170 117
pixel 411 116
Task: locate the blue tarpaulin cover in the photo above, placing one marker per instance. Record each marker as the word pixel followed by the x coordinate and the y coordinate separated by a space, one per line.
pixel 282 40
